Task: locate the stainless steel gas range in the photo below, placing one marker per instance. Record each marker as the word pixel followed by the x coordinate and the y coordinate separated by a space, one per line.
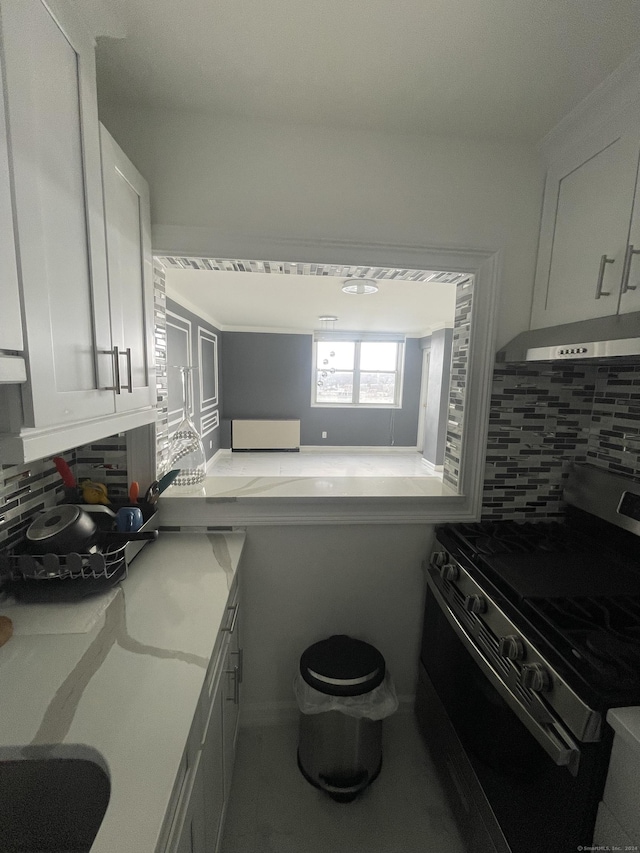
pixel 531 633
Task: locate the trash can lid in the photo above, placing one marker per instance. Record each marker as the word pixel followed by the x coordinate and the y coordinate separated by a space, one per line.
pixel 342 666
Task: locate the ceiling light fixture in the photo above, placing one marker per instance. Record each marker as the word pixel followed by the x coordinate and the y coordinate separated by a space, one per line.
pixel 328 321
pixel 359 286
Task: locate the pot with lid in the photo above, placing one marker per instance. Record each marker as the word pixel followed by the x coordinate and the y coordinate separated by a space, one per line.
pixel 67 529
pixel 64 529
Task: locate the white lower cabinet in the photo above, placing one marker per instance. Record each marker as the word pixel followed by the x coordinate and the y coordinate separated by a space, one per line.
pixel 197 816
pixel 188 830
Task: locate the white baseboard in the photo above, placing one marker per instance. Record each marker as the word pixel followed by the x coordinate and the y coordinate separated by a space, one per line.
pixel 337 448
pixel 219 452
pixel 431 468
pixel 255 714
pixel 268 714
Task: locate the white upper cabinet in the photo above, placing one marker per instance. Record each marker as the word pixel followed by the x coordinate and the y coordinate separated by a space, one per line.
pixel 10 317
pixel 82 381
pixel 586 266
pixel 630 291
pixel 53 127
pixel 128 218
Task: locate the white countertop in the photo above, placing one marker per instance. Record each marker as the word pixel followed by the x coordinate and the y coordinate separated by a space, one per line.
pixel 128 687
pixel 626 723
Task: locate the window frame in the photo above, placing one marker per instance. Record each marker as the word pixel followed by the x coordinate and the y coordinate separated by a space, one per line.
pixel 355 403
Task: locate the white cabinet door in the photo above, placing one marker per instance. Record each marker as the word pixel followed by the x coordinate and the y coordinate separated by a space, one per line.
pixel 187 832
pixel 128 228
pixel 231 681
pixel 630 293
pixel 55 158
pixel 10 316
pixel 585 228
pixel 213 772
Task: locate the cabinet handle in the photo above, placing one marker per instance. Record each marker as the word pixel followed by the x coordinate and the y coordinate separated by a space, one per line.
pixel 240 654
pixel 236 686
pixel 129 385
pixel 115 352
pixel 626 269
pixel 231 626
pixel 604 260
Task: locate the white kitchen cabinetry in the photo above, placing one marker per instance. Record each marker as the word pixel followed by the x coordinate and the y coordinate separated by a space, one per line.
pixel 590 229
pixel 187 831
pixel 58 210
pixel 129 260
pixel 197 818
pixel 10 316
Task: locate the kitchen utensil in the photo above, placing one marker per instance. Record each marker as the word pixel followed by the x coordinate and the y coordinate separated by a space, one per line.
pixel 65 472
pixel 129 519
pixel 134 492
pixel 167 479
pixel 94 493
pixel 61 530
pixel 152 493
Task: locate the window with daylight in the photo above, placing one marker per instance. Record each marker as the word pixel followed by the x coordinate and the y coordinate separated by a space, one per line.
pixel 360 372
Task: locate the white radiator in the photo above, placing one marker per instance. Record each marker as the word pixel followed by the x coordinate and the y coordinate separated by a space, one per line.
pixel 265 435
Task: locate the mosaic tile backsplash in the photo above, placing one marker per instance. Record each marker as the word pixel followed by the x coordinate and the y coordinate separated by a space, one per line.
pixel 30 488
pixel 544 417
pixel 458 386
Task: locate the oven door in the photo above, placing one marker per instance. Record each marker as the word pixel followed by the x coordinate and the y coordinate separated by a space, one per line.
pixel 525 784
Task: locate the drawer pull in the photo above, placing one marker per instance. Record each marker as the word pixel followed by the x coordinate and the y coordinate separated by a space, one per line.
pixel 236 686
pixel 230 627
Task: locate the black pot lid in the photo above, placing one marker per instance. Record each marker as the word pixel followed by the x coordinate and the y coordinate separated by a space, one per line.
pixel 52 522
pixel 342 666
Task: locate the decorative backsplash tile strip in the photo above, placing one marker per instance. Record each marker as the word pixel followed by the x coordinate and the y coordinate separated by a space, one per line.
pixel 459 359
pixel 160 337
pixel 543 417
pixel 614 438
pixel 298 268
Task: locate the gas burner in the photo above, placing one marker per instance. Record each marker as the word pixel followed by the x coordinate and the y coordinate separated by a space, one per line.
pixel 508 537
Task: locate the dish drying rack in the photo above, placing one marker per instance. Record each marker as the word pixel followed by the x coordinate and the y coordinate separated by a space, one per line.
pixel 103 564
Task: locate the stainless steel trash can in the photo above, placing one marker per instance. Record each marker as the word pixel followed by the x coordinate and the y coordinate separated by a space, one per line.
pixel 338 753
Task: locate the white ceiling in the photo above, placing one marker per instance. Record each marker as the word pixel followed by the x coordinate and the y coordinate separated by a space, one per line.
pixel 507 69
pixel 249 301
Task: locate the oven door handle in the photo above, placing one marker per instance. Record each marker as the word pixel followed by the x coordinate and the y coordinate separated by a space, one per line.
pixel 555 741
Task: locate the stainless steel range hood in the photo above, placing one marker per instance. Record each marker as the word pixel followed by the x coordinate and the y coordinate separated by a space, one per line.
pixel 604 337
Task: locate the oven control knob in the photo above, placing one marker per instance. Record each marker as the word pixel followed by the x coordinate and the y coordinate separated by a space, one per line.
pixel 439 558
pixel 449 572
pixel 535 677
pixel 511 648
pixel 475 604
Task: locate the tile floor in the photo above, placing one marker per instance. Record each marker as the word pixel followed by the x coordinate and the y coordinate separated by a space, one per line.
pixel 319 464
pixel 272 808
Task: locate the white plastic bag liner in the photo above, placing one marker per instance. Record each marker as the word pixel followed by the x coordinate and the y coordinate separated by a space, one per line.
pixel 377 704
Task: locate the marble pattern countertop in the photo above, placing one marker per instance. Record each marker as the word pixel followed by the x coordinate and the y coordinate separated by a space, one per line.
pixel 626 723
pixel 128 688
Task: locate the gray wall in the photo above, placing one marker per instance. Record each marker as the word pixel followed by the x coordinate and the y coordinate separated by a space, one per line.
pixel 435 425
pixel 269 376
pixel 176 353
